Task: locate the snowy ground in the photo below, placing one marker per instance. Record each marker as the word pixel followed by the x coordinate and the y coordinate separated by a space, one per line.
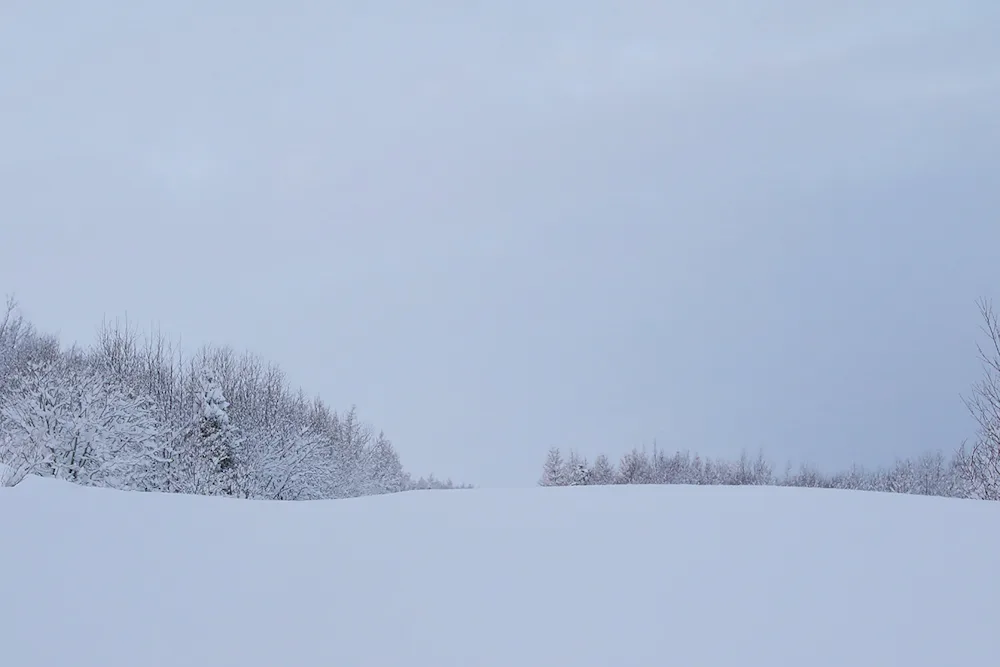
pixel 556 577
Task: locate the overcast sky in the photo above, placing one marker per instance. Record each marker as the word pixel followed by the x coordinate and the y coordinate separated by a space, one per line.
pixel 720 224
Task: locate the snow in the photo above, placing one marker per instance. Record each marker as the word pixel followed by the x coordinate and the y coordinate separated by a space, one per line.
pixel 582 576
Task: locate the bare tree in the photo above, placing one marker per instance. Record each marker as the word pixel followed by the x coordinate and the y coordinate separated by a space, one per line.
pixel 980 466
pixel 15 463
pixel 635 468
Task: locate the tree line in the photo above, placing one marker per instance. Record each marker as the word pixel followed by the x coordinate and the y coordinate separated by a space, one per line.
pixel 131 412
pixel 931 474
pixel 971 471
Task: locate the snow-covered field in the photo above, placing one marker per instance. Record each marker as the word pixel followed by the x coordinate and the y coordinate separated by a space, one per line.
pixel 611 576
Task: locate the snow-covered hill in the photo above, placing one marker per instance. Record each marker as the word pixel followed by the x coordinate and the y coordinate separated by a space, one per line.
pixel 613 576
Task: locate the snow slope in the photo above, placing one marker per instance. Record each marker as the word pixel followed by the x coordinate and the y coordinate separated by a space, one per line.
pixel 612 576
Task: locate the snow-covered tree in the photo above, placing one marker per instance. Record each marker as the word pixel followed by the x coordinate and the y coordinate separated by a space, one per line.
pixel 385 471
pixel 576 470
pixel 63 420
pixel 855 478
pixel 603 471
pixel 930 474
pixel 130 413
pixel 752 472
pixel 204 448
pixel 351 449
pixel 554 471
pixel 635 468
pixel 980 464
pixel 283 462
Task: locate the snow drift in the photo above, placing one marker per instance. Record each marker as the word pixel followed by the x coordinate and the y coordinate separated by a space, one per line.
pixel 610 576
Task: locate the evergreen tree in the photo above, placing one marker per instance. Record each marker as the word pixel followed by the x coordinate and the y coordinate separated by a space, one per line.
pixel 205 447
pixel 554 472
pixel 603 471
pixel 576 470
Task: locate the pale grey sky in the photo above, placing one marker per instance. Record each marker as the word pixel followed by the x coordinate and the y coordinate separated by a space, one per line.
pixel 498 227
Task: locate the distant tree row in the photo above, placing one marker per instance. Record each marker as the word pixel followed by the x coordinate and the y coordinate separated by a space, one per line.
pixel 931 474
pixel 972 472
pixel 133 413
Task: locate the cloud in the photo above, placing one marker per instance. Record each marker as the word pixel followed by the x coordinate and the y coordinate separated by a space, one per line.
pixel 598 217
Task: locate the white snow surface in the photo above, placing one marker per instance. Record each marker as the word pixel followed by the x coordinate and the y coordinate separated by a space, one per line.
pixel 610 576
